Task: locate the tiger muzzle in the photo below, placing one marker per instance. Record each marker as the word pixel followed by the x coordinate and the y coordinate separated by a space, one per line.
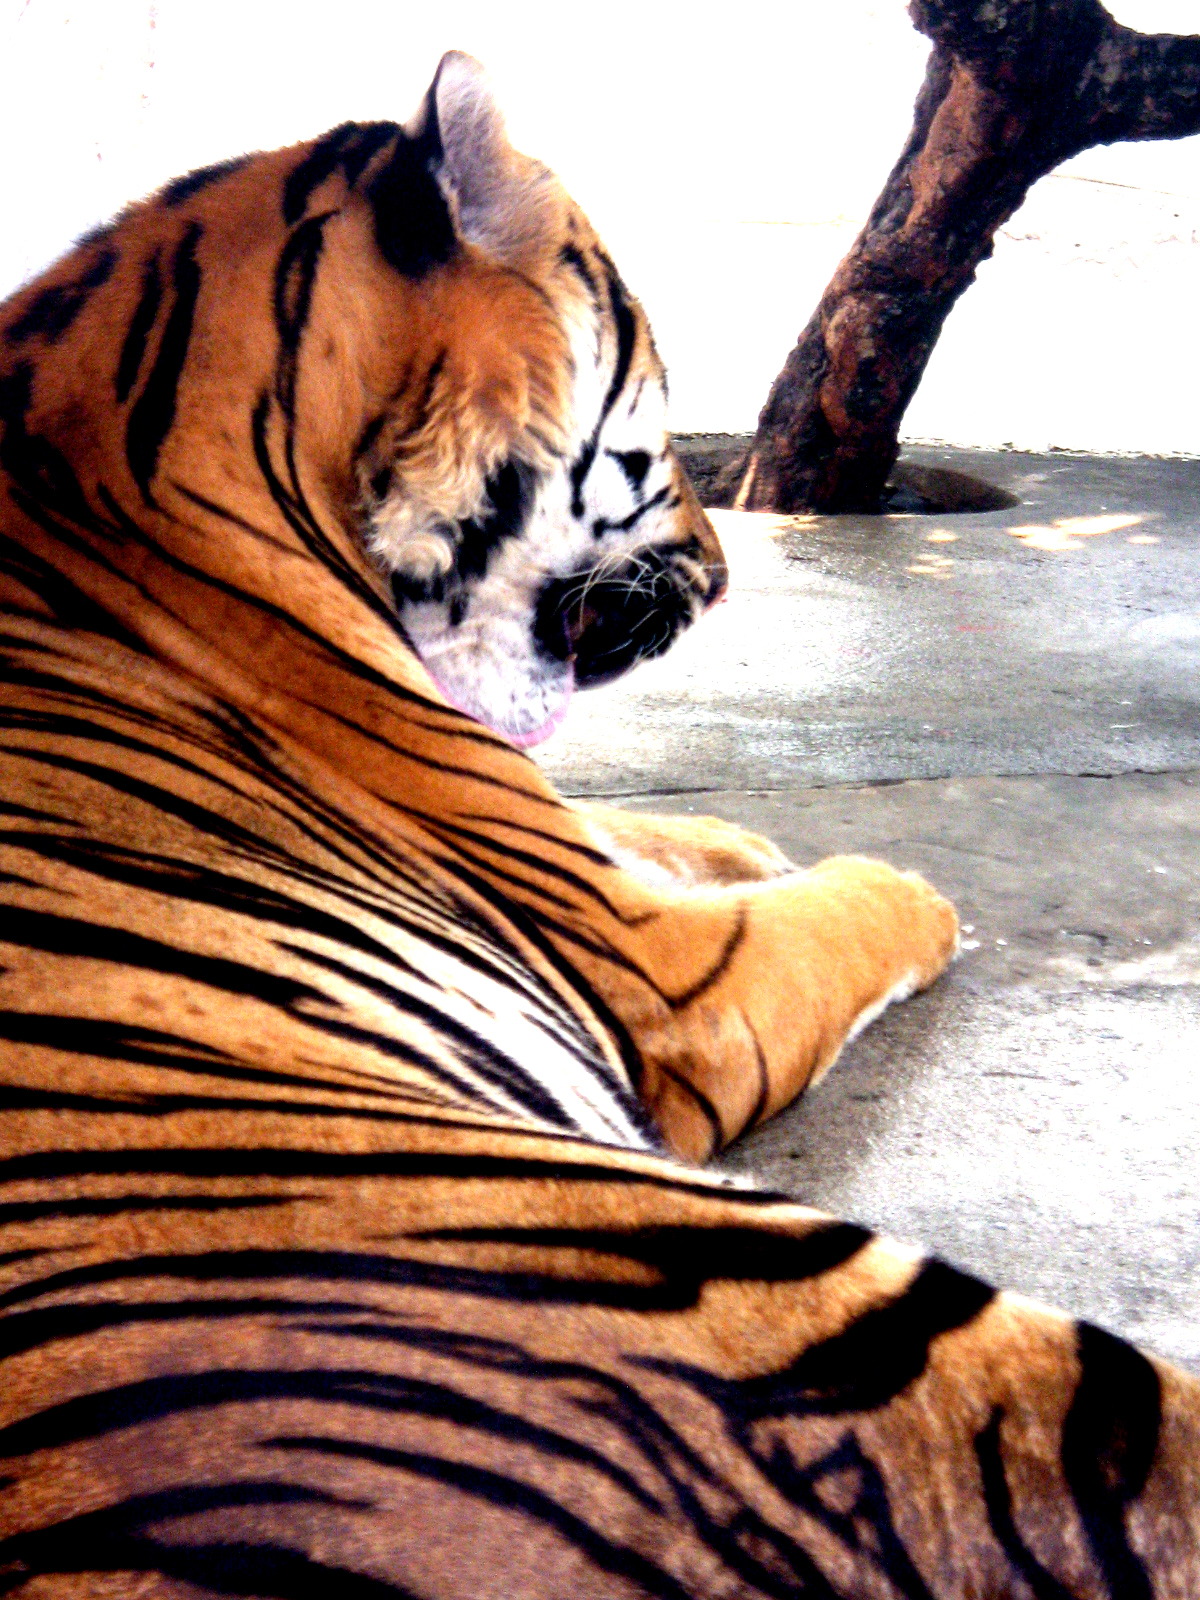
pixel 607 621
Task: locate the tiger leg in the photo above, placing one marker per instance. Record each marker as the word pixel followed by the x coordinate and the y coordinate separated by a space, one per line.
pixel 794 968
pixel 689 850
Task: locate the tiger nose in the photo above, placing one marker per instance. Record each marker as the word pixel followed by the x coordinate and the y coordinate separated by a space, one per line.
pixel 703 538
pixel 718 584
pixel 716 571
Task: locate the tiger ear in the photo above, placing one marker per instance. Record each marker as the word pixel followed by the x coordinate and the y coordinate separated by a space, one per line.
pixel 500 199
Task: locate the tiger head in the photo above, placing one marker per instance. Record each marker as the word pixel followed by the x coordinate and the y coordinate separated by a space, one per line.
pixel 536 527
pixel 383 393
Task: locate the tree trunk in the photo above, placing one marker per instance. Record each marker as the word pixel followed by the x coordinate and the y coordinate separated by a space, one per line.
pixel 1012 88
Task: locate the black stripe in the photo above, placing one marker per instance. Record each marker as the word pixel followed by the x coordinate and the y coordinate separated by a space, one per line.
pixel 154 411
pixel 213 823
pixel 626 334
pixel 180 189
pixel 350 146
pixel 365 1389
pixel 470 862
pixel 136 1535
pixel 55 591
pixel 53 311
pixel 431 378
pixel 134 349
pixel 535 930
pixel 1110 1438
pixel 150 1105
pixel 294 278
pixel 702 1104
pixel 320 163
pixel 478 1054
pixel 861 1369
pixel 602 525
pixel 36 467
pixel 496 1489
pixel 696 1252
pixel 358 152
pixel 21 1213
pixel 571 256
pixel 299 517
pixel 22 882
pixel 374 428
pixel 226 514
pixel 33 1330
pixel 7 1258
pixel 599 858
pixel 531 1286
pixel 718 968
pixel 496 848
pixel 316 542
pixel 75 938
pixel 626 330
pixel 998 1500
pixel 98 233
pixel 72 609
pixel 197 885
pixel 413 228
pixel 457 934
pixel 414 1398
pixel 151 1047
pixel 635 464
pixel 764 1083
pixel 369 435
pixel 846 1494
pixel 269 1161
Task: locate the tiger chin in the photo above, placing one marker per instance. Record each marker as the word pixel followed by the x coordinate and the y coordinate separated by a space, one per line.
pixel 346 1069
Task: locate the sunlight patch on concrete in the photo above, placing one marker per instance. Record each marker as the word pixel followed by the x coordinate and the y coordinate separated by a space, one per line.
pixel 1064 533
pixel 932 565
pixel 749 526
pixel 1159 969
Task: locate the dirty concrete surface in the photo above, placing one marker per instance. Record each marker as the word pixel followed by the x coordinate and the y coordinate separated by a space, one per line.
pixel 1010 702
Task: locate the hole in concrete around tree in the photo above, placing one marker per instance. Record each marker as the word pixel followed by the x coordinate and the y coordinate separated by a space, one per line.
pixel 912 487
pixel 942 491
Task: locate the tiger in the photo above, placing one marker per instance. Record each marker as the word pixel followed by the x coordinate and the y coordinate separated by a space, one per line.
pixel 355 1234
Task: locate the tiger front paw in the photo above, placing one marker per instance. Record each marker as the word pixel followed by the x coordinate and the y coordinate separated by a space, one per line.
pixel 905 932
pixel 724 853
pixel 936 929
pixel 685 851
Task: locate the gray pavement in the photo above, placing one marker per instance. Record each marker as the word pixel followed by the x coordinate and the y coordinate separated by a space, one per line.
pixel 1010 702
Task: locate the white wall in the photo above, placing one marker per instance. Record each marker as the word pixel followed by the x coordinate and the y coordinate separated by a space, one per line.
pixel 728 158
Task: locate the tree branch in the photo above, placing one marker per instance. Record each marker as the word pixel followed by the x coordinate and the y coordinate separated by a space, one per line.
pixel 1012 88
pixel 1142 86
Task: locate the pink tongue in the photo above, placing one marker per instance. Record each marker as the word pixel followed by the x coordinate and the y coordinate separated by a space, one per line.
pixel 551 724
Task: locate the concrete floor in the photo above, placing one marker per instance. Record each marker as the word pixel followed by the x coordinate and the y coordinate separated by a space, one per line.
pixel 1011 703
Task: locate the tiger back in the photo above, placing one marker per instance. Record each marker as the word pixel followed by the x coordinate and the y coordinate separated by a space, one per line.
pixel 342 1061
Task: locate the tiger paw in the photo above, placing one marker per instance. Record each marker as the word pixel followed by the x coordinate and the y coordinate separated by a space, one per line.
pixel 833 947
pixel 901 933
pixel 687 851
pixel 938 922
pixel 725 853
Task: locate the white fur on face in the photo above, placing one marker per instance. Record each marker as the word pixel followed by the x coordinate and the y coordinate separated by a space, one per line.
pixel 478 642
pixel 488 663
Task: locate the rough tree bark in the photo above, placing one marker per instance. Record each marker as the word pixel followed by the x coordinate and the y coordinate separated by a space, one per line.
pixel 1012 88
